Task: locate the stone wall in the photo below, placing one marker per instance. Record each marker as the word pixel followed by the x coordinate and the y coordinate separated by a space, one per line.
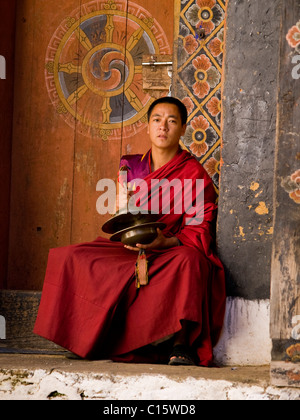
pixel 245 224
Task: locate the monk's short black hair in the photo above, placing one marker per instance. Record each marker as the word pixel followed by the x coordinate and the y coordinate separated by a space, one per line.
pixel 170 100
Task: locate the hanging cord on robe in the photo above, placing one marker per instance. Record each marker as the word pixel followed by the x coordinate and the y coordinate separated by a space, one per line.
pixel 141 270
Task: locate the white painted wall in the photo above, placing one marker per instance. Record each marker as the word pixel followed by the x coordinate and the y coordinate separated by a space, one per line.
pixel 245 339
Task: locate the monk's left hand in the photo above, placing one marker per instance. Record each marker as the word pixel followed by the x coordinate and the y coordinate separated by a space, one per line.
pixel 161 242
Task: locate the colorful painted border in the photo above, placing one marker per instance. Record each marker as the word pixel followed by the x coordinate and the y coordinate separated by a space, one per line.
pixel 198 78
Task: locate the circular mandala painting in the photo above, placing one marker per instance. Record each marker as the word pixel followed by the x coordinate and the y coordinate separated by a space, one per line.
pixel 94 67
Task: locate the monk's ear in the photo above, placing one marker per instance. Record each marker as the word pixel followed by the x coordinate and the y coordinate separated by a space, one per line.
pixel 183 130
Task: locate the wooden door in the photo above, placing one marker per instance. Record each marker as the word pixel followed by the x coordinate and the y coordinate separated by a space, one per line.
pixel 7 34
pixel 79 105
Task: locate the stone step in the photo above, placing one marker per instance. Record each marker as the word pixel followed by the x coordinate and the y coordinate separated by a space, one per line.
pixel 42 377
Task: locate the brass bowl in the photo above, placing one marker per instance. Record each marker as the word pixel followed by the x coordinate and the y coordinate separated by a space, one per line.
pixel 123 220
pixel 142 234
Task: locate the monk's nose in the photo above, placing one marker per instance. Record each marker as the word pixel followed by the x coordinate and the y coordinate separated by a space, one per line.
pixel 164 126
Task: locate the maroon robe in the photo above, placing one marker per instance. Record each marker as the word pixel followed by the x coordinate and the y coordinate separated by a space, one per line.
pixel 90 304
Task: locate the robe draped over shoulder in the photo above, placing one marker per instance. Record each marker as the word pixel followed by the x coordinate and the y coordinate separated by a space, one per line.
pixel 90 304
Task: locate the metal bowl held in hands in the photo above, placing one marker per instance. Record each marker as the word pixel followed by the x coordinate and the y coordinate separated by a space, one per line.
pixel 131 229
pixel 141 234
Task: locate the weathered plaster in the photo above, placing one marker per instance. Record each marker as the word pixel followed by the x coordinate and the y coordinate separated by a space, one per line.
pixel 245 338
pixel 245 223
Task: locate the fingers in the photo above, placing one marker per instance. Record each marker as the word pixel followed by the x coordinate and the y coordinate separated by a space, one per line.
pixel 157 243
pixel 131 248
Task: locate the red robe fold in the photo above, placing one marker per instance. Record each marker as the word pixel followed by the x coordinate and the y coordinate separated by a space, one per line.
pixel 90 304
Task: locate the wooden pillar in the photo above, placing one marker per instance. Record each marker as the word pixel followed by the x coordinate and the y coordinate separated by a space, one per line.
pixel 7 32
pixel 285 279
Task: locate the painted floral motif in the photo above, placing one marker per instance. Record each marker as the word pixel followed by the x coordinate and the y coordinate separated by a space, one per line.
pixel 200 136
pixel 199 79
pixel 214 107
pixel 291 185
pixel 216 46
pixel 293 36
pixel 189 104
pixel 206 76
pixel 206 14
pixel 212 166
pixel 190 44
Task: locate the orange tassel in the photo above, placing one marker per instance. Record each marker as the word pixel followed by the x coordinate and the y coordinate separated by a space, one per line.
pixel 141 270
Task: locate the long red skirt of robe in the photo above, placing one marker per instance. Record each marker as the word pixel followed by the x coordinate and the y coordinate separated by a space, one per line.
pixel 90 304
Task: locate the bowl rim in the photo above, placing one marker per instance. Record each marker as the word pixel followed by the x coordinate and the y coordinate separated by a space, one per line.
pixel 118 235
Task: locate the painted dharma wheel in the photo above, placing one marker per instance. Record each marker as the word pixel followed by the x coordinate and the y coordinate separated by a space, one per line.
pixel 94 67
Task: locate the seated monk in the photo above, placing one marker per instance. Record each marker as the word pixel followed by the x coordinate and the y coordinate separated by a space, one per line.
pixel 90 304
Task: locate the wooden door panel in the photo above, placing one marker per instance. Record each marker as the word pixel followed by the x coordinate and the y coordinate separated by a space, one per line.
pixel 111 107
pixel 77 109
pixel 7 31
pixel 42 154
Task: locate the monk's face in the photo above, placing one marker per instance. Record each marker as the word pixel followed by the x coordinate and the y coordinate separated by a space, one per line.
pixel 165 126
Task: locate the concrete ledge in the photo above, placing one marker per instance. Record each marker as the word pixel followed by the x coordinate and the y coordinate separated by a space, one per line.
pixel 40 377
